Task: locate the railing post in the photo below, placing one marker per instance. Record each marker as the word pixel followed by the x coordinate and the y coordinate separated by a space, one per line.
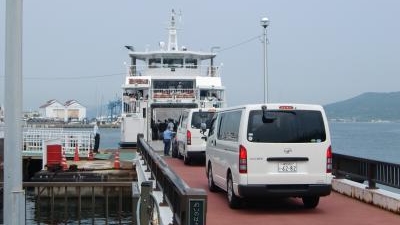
pixel 145 203
pixel 371 167
pixel 195 206
pixel 135 199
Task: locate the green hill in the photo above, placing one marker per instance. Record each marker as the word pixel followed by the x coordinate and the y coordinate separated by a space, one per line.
pixel 369 106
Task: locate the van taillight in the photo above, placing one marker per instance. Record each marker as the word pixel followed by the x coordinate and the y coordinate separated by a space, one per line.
pixel 242 159
pixel 188 138
pixel 329 160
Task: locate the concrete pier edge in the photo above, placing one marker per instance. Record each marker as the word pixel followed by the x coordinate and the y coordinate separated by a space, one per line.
pixel 384 199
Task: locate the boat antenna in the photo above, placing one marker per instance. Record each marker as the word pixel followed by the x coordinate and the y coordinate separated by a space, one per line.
pixel 172 35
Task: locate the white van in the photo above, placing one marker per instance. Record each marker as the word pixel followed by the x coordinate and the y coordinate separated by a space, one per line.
pixel 190 140
pixel 270 150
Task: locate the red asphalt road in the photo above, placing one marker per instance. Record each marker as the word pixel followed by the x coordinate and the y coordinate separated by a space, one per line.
pixel 335 209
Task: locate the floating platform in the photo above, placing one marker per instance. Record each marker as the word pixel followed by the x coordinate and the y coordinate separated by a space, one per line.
pixel 83 178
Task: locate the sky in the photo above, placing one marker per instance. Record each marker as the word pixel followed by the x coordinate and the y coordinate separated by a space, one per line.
pixel 318 52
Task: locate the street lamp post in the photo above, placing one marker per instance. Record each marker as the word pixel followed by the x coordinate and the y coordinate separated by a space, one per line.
pixel 264 23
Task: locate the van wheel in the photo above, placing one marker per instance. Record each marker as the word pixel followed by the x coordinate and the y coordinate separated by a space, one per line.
pixel 211 185
pixel 180 156
pixel 174 153
pixel 186 160
pixel 233 200
pixel 310 202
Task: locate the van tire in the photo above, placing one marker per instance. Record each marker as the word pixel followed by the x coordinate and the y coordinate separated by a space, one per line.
pixel 310 202
pixel 233 200
pixel 179 155
pixel 211 184
pixel 186 160
pixel 174 153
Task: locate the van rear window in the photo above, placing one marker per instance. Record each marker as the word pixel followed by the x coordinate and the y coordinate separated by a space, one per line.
pixel 201 117
pixel 294 126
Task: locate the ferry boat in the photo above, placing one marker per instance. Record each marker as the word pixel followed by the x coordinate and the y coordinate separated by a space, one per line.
pixel 161 83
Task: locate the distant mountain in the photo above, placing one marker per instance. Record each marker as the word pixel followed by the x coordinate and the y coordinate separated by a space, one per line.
pixel 369 106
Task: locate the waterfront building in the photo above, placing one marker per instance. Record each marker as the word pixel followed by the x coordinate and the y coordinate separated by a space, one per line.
pixel 71 110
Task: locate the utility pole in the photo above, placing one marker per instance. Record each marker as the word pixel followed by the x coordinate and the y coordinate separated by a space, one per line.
pixel 264 23
pixel 14 195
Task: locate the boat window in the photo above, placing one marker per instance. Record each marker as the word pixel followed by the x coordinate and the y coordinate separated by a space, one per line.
pixel 294 126
pixel 155 63
pixel 173 62
pixel 210 95
pixel 191 63
pixel 168 84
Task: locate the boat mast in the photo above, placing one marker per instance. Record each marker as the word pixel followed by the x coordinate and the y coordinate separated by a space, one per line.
pixel 172 38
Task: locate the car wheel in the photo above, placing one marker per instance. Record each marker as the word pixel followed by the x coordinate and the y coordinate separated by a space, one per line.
pixel 310 202
pixel 211 185
pixel 233 200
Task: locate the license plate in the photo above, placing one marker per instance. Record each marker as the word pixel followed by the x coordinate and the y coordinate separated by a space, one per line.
pixel 287 167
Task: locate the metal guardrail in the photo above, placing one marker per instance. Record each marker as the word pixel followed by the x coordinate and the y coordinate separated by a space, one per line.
pixel 188 205
pixel 34 140
pixel 360 170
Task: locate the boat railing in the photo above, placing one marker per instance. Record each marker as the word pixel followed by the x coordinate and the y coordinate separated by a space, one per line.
pixel 132 108
pixel 188 204
pixel 194 70
pixel 361 170
pixel 34 141
pixel 212 103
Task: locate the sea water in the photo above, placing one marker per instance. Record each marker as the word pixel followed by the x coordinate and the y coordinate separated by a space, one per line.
pixel 377 141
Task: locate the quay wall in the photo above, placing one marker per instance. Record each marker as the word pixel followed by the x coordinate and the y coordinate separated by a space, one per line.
pixel 378 197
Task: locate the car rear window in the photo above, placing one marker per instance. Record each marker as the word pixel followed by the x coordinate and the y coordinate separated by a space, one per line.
pixel 201 117
pixel 294 126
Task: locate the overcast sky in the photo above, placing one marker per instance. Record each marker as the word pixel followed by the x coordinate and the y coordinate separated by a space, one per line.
pixel 318 52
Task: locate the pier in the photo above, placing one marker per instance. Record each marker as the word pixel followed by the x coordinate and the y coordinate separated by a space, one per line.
pixel 174 187
pixel 343 206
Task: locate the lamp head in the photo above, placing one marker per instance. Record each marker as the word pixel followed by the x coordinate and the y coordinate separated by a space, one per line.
pixel 264 22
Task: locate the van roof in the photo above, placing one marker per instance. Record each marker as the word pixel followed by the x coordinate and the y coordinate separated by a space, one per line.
pixel 201 109
pixel 278 106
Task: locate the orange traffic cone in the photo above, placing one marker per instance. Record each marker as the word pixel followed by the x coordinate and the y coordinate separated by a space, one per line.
pixel 76 155
pixel 90 155
pixel 64 164
pixel 116 160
